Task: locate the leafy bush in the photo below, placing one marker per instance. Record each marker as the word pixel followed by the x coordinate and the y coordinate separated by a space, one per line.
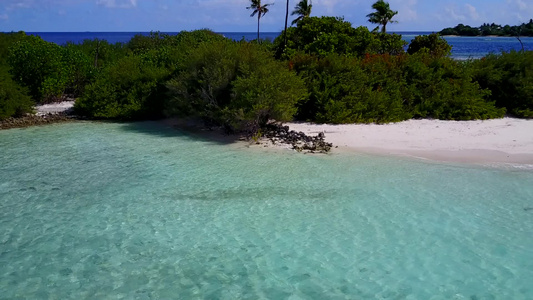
pixel 132 87
pixel 238 85
pixel 392 44
pixel 127 89
pixel 385 88
pixel 264 89
pixel 185 39
pixel 100 52
pixel 38 65
pixel 509 77
pixel 6 41
pixel 78 68
pixel 432 44
pixel 343 91
pixel 14 101
pixel 442 88
pixel 326 35
pixel 48 70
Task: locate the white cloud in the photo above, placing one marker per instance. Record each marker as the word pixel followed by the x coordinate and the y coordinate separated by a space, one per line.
pixel 328 4
pixel 520 4
pixel 467 13
pixel 406 10
pixel 520 10
pixel 40 4
pixel 117 3
pixel 452 14
pixel 15 4
pixel 472 12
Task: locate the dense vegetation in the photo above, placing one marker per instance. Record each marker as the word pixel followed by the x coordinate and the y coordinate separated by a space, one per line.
pixel 525 29
pixel 509 77
pixel 328 71
pixel 326 35
pixel 14 99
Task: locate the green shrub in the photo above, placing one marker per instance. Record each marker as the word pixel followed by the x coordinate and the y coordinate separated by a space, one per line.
pixel 185 39
pixel 443 88
pixel 78 68
pixel 385 88
pixel 238 85
pixel 100 52
pixel 432 44
pixel 6 41
pixel 509 77
pixel 326 35
pixel 38 65
pixel 264 89
pixel 128 89
pixel 343 90
pixel 48 70
pixel 392 44
pixel 14 101
pixel 203 87
pixel 132 87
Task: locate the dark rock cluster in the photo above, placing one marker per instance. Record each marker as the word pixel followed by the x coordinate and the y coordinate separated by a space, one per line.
pixel 299 141
pixel 33 120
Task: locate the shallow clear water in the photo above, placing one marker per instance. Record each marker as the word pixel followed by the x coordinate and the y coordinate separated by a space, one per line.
pixel 142 211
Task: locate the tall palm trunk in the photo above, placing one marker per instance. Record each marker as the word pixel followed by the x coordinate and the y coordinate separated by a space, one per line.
pixel 258 22
pixel 286 21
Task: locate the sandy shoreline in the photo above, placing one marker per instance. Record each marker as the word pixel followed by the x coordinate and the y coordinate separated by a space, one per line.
pixel 54 108
pixel 506 140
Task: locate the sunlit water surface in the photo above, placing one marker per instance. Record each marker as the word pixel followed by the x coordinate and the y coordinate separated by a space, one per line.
pixel 143 211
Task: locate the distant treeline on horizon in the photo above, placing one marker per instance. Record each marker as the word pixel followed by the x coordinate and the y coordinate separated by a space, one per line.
pixel 525 29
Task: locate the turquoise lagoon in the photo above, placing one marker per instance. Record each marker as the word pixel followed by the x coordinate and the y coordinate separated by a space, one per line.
pixel 145 211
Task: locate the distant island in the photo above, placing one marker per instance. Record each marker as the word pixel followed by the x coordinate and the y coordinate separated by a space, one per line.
pixel 525 29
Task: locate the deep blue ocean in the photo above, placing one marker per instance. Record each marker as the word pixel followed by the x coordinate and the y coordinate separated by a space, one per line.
pixel 463 47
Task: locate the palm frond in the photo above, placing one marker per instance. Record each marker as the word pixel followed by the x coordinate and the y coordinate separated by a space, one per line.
pixel 382 14
pixel 302 10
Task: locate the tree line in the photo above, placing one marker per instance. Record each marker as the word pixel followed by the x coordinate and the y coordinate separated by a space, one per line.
pixel 321 70
pixel 525 29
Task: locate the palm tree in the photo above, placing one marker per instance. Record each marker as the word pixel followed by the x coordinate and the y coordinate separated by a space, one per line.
pixel 383 15
pixel 286 21
pixel 303 10
pixel 260 10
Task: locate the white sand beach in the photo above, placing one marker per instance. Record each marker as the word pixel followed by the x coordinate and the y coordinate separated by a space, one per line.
pixel 54 108
pixel 506 140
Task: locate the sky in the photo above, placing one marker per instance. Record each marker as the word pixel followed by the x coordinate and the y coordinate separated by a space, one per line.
pixel 232 15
